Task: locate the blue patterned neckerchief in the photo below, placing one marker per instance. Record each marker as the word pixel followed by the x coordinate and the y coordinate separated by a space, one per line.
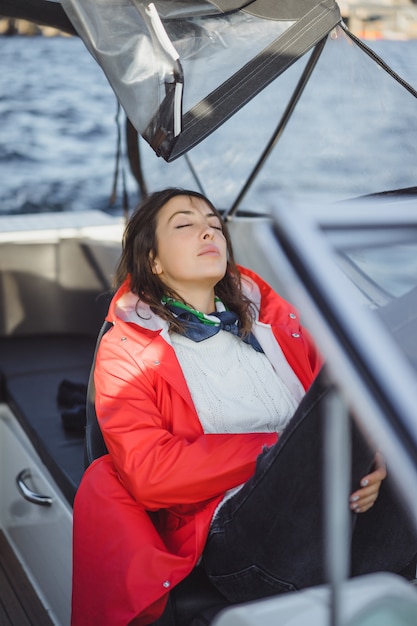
pixel 199 326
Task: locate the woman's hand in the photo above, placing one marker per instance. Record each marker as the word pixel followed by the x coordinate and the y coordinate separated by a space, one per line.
pixel 364 498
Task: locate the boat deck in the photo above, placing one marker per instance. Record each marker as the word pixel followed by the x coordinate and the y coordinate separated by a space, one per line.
pixel 19 604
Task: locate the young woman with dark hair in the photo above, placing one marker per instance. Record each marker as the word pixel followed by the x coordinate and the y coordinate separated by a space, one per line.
pixel 214 447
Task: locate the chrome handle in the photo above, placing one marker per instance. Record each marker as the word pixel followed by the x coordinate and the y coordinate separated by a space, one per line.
pixel 27 493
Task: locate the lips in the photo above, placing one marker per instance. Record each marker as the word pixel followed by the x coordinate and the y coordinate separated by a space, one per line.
pixel 209 250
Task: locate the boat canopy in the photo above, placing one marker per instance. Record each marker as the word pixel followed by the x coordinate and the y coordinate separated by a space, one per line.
pixel 180 68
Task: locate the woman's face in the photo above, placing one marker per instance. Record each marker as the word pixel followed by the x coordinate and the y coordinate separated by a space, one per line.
pixel 191 247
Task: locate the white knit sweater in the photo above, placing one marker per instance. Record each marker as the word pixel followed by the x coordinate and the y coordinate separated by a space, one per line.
pixel 234 388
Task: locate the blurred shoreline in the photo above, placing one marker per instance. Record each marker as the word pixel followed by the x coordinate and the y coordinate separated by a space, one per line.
pixel 381 19
pixel 10 26
pixel 371 19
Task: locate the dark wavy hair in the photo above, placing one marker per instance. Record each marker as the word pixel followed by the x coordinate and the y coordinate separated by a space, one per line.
pixel 140 247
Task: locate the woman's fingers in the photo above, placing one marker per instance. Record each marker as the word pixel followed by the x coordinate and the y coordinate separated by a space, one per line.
pixel 364 502
pixel 363 499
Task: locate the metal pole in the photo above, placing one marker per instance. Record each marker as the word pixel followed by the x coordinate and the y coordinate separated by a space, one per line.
pixel 337 462
pixel 194 174
pixel 280 128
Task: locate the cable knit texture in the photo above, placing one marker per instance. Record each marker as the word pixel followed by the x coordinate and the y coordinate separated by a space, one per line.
pixel 234 388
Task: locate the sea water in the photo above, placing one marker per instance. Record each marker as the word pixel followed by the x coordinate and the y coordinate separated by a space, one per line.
pixel 59 133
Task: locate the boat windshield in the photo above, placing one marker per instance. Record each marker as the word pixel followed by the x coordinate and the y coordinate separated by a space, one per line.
pixel 391 267
pixel 376 247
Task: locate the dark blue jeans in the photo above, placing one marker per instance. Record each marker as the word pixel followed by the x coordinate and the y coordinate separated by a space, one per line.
pixel 269 539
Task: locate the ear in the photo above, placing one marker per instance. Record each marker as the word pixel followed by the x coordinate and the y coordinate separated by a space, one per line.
pixel 155 265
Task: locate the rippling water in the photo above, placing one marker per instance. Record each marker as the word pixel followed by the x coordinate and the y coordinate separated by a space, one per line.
pixel 58 134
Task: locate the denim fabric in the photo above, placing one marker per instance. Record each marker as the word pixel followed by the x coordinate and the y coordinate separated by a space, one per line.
pixel 269 539
pixel 383 537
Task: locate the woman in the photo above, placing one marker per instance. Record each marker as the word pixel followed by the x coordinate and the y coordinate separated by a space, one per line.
pixel 202 369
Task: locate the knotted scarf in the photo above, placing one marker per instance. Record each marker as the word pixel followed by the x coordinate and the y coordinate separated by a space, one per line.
pixel 199 326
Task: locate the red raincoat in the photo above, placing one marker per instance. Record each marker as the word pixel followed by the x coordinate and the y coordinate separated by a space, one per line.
pixel 143 512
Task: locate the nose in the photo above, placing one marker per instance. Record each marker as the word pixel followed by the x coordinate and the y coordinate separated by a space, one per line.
pixel 208 232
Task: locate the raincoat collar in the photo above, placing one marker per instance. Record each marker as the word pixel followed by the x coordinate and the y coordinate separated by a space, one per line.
pixel 128 307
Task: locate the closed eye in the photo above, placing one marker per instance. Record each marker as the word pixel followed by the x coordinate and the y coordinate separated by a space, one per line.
pixel 216 224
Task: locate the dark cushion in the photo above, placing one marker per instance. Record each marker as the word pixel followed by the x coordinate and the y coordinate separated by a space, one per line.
pixel 94 442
